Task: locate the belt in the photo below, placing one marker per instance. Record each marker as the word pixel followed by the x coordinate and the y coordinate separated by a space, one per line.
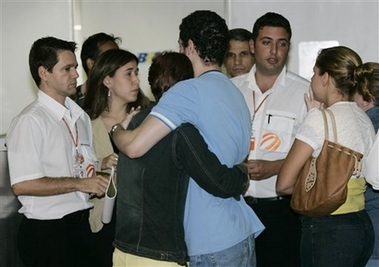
pixel 77 216
pixel 253 200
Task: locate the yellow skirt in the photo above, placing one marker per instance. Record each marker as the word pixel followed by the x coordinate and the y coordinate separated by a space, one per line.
pixel 121 259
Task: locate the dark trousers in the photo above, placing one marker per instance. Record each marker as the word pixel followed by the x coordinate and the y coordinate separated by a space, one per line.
pixel 279 244
pixel 103 244
pixel 63 242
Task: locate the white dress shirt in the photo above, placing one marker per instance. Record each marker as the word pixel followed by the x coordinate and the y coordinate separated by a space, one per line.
pixel 40 145
pixel 276 116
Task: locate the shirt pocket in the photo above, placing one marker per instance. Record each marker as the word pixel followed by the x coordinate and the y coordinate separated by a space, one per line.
pixel 89 158
pixel 277 131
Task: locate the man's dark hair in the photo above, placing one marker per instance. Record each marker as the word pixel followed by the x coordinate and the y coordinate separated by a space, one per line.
pixel 209 33
pixel 90 47
pixel 44 52
pixel 271 19
pixel 240 34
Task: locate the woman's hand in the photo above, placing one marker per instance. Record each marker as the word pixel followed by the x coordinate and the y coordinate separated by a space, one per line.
pixel 129 117
pixel 109 162
pixel 311 102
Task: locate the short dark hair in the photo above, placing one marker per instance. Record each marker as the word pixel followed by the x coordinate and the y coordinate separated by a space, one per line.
pixel 167 69
pixel 44 52
pixel 240 34
pixel 90 47
pixel 209 33
pixel 271 19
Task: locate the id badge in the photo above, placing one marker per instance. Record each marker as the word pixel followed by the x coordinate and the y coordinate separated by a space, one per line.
pixel 252 145
pixel 79 167
pixel 252 139
pixel 79 170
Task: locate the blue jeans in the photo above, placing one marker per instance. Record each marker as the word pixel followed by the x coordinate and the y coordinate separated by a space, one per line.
pixel 345 240
pixel 241 255
pixel 372 263
pixel 372 208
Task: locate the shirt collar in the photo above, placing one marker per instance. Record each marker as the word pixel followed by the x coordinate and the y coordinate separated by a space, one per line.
pixel 71 109
pixel 280 81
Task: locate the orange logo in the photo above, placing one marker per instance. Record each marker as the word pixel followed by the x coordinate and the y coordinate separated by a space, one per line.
pixel 270 141
pixel 90 170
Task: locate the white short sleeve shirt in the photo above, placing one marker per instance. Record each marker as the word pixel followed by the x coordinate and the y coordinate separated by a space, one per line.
pixel 276 117
pixel 40 145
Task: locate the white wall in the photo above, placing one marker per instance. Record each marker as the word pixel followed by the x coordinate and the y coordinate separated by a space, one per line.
pixel 144 26
pixel 21 24
pixel 152 26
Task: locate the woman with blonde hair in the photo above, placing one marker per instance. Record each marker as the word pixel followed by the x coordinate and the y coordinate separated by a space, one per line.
pixel 345 237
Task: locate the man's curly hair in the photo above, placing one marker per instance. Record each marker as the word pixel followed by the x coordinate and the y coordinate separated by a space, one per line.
pixel 209 33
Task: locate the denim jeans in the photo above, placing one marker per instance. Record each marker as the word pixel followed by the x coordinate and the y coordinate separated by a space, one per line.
pixel 241 255
pixel 372 263
pixel 372 208
pixel 345 240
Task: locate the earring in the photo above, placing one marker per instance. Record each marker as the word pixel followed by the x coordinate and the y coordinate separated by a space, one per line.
pixel 109 93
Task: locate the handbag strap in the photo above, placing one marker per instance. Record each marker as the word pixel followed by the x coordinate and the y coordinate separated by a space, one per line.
pixel 358 162
pixel 334 127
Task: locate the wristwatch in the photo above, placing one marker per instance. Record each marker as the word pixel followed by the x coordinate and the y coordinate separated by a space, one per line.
pixel 114 128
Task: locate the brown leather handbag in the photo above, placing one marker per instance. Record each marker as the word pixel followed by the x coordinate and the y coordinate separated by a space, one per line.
pixel 321 187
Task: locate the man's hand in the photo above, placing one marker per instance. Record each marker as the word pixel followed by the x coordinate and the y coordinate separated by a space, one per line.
pixel 96 185
pixel 262 169
pixel 47 186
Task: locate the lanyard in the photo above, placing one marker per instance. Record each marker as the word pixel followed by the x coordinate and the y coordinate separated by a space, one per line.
pixel 252 137
pixel 78 167
pixel 259 106
pixel 75 141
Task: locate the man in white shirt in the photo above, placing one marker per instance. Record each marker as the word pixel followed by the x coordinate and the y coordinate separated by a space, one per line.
pixel 275 98
pixel 50 156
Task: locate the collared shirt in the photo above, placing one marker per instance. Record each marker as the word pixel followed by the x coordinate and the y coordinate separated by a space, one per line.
pixel 40 145
pixel 276 116
pixel 217 108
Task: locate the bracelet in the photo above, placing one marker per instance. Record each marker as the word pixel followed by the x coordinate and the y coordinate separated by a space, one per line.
pixel 114 128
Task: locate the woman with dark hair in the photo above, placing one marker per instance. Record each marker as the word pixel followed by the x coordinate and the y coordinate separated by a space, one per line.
pixel 113 90
pixel 167 69
pixel 368 99
pixel 345 237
